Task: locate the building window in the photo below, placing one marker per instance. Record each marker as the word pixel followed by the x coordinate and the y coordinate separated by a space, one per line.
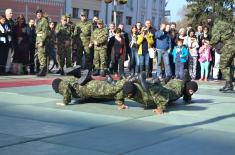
pixel 75 12
pixel 96 13
pixel 154 21
pixel 128 20
pixel 119 17
pixel 86 11
pixel 154 4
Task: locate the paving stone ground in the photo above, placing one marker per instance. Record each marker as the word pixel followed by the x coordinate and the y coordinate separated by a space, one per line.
pixel 32 124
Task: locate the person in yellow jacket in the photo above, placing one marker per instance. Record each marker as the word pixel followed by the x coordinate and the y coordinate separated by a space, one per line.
pixel 145 40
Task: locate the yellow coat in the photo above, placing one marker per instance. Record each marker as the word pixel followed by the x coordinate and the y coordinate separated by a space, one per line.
pixel 140 39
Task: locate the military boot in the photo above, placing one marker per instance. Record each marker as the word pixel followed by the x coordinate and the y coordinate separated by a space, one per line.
pixel 42 72
pixel 96 72
pixel 62 71
pixel 228 87
pixel 102 73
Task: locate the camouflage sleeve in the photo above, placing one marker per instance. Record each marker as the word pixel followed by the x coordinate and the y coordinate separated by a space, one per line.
pixel 103 37
pixel 93 37
pixel 44 30
pixel 160 100
pixel 119 98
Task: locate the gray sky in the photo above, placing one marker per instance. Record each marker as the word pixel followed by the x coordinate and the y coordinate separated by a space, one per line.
pixel 174 6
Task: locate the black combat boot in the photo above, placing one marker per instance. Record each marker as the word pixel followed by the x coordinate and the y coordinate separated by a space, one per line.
pixel 42 72
pixel 62 71
pixel 102 72
pixel 228 87
pixel 96 72
pixel 142 81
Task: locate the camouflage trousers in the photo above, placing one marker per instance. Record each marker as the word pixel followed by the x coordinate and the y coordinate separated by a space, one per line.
pixel 192 66
pixel 64 55
pixel 100 58
pixel 226 61
pixel 42 56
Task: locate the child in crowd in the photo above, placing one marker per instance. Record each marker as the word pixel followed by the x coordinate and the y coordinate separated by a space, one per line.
pixel 180 54
pixel 204 59
pixel 193 56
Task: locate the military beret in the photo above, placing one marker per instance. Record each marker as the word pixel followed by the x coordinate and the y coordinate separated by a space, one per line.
pixel 100 21
pixel 83 13
pixel 39 11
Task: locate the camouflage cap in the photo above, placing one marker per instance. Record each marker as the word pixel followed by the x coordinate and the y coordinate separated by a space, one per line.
pixel 83 13
pixel 100 21
pixel 63 17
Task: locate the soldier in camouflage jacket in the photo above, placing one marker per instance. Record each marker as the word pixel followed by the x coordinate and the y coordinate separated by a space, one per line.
pixel 224 31
pixel 99 39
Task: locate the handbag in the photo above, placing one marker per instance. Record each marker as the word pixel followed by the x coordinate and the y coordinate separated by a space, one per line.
pixel 152 53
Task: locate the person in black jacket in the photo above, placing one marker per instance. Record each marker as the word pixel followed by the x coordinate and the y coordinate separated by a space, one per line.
pixel 3 44
pixel 30 30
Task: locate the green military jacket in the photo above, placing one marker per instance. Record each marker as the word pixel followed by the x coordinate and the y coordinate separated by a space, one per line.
pixel 158 94
pixel 42 30
pixel 82 31
pixel 93 89
pixel 63 33
pixel 100 36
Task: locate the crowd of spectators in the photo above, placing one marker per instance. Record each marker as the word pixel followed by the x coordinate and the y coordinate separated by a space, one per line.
pixel 175 49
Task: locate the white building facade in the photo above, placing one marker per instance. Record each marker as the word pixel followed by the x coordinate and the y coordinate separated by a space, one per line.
pixel 128 14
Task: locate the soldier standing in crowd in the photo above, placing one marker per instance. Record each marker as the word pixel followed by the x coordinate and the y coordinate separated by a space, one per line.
pixel 82 31
pixel 10 24
pixel 224 31
pixel 63 40
pixel 99 39
pixel 42 30
pixel 73 46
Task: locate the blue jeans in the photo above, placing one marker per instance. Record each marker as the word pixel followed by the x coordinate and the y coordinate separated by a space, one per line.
pixel 163 55
pixel 144 60
pixel 204 68
pixel 135 62
pixel 179 70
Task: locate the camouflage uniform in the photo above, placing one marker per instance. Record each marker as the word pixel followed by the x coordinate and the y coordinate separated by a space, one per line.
pixel 224 31
pixel 63 34
pixel 82 33
pixel 42 30
pixel 100 54
pixel 159 95
pixel 93 89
